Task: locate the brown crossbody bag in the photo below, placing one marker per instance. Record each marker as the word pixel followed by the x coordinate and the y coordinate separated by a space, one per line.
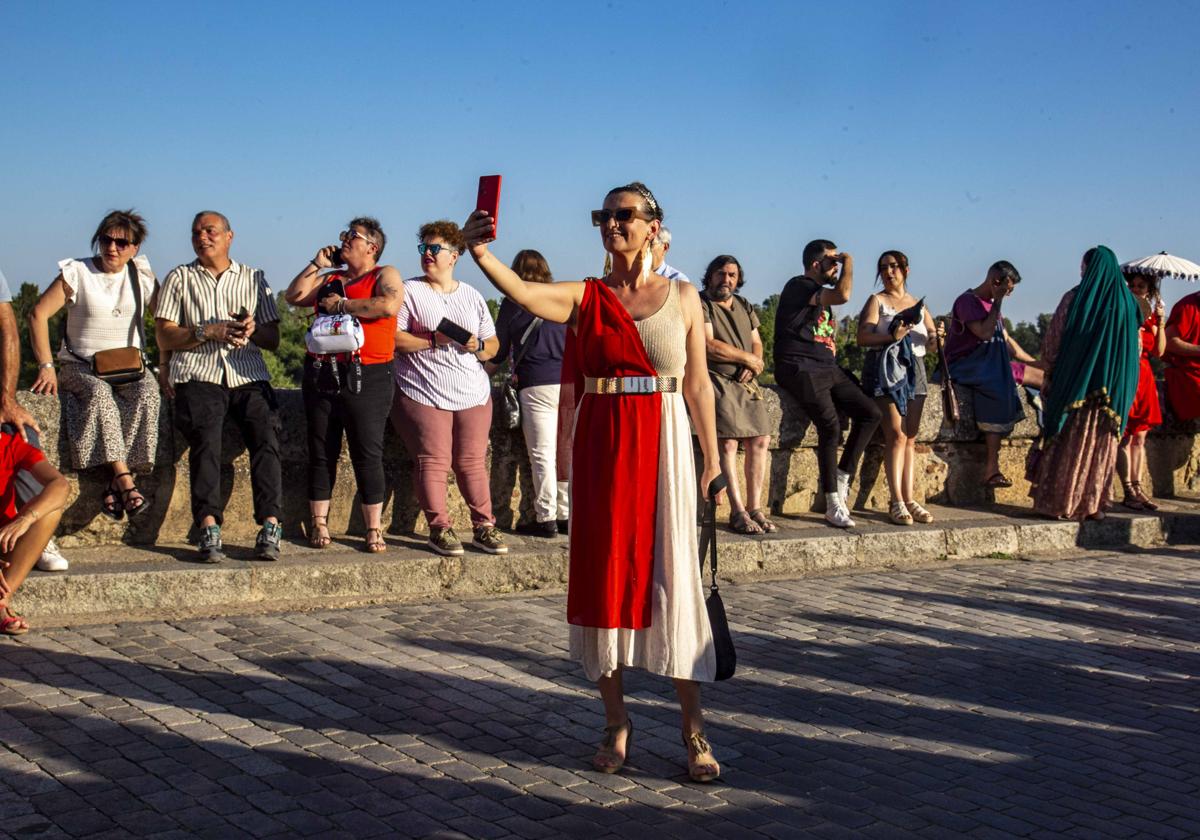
pixel 121 365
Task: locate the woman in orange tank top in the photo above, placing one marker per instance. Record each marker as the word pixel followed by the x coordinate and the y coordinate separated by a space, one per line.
pixel 350 391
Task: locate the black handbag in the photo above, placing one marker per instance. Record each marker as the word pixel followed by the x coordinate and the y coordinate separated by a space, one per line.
pixel 121 365
pixel 504 401
pixel 722 639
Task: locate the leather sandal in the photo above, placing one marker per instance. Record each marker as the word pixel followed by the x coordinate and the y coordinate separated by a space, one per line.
pixel 1131 499
pixel 998 479
pixel 377 545
pixel 702 766
pixel 142 503
pixel 763 521
pixel 12 624
pixel 1147 502
pixel 607 759
pixel 741 523
pixel 318 531
pixel 918 513
pixel 898 514
pixel 110 502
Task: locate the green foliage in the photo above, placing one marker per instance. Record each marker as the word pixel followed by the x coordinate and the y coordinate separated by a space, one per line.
pixel 286 363
pixel 766 331
pixel 494 308
pixel 22 303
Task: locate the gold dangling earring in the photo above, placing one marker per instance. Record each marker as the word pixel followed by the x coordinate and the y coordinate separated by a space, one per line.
pixel 607 264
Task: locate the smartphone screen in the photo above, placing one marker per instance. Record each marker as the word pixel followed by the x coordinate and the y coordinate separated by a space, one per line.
pixel 489 196
pixel 454 332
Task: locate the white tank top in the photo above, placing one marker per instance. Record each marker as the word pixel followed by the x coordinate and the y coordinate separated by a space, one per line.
pixel 100 307
pixel 919 335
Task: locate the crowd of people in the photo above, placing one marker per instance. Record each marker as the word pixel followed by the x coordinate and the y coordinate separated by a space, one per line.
pixel 618 378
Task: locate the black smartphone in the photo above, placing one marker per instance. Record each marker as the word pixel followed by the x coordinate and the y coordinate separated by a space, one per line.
pixel 453 331
pixel 242 314
pixel 333 287
pixel 336 257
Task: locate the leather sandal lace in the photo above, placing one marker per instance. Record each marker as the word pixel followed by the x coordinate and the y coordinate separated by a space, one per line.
pixel 138 502
pixel 376 545
pixel 1147 502
pixel 763 521
pixel 607 759
pixel 318 531
pixel 1131 499
pixel 741 523
pixel 110 502
pixel 702 766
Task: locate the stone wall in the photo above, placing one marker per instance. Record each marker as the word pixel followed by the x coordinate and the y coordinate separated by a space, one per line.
pixel 949 471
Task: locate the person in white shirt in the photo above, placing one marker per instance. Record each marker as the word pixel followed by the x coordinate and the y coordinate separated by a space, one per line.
pixel 658 254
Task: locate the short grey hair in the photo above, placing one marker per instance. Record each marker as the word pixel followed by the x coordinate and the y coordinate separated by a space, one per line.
pixel 664 236
pixel 224 219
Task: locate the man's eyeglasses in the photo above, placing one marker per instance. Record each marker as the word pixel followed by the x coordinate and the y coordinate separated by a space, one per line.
pixel 434 249
pixel 348 236
pixel 120 242
pixel 621 214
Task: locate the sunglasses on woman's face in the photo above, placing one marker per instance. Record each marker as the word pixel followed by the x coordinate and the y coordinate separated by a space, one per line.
pixel 621 214
pixel 432 249
pixel 120 242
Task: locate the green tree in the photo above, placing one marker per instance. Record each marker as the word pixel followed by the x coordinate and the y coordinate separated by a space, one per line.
pixel 286 362
pixel 766 331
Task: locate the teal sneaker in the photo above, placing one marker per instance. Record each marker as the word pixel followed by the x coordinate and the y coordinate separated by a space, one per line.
pixel 212 550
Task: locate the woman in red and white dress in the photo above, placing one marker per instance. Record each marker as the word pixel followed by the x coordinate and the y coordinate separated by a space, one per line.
pixel 634 592
pixel 1145 413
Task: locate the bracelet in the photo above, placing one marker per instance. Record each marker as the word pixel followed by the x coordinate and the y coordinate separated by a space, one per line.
pixel 32 514
pixel 45 365
pixel 313 263
pixel 341 306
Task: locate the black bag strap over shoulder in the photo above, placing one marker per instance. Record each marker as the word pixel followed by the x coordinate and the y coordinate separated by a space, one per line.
pixel 534 325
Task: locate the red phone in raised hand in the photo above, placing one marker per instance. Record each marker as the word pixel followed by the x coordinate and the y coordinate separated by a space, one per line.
pixel 489 198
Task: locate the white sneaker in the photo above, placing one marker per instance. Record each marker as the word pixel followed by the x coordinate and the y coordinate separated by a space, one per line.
pixel 52 559
pixel 843 487
pixel 836 513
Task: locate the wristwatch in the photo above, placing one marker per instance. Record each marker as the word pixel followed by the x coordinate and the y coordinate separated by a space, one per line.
pixel 198 332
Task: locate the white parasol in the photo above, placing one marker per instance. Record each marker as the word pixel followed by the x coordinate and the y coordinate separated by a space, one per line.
pixel 1163 264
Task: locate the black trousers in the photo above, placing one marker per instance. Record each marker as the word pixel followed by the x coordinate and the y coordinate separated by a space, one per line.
pixel 363 417
pixel 200 409
pixel 821 391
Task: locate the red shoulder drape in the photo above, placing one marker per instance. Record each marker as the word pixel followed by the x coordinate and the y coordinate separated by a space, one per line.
pixel 614 470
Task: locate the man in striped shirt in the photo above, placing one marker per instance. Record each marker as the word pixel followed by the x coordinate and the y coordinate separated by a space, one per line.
pixel 213 315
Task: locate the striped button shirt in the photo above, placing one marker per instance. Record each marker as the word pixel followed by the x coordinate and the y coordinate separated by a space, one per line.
pixel 446 377
pixel 191 296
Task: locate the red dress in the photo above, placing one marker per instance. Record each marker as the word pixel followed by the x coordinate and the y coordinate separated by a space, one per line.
pixel 1145 412
pixel 1183 372
pixel 614 470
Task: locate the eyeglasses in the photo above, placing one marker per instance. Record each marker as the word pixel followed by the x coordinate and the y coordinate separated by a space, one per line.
pixel 348 236
pixel 120 242
pixel 435 249
pixel 621 214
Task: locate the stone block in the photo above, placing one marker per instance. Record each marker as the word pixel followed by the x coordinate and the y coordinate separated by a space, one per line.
pixel 1047 536
pixel 902 547
pixel 798 557
pixel 983 541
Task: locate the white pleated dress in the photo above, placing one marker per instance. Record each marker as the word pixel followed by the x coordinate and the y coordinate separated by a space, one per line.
pixel 678 643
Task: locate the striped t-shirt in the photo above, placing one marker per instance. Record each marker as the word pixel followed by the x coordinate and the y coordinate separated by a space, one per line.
pixel 190 296
pixel 446 377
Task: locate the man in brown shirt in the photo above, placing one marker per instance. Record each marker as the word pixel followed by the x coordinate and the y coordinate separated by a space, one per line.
pixel 735 359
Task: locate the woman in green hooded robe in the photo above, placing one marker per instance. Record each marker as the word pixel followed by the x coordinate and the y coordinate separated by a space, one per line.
pixel 1091 354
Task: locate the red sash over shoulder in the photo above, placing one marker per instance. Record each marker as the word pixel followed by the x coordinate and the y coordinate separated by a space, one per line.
pixel 614 470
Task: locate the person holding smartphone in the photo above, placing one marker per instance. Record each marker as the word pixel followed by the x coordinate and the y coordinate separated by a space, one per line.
pixel 882 329
pixel 1145 413
pixel 350 391
pixel 442 408
pixel 637 363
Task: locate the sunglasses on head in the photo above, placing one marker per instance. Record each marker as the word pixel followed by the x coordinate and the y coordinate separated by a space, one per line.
pixel 621 214
pixel 119 241
pixel 432 249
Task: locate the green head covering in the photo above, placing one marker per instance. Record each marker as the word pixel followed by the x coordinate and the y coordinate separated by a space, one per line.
pixel 1099 354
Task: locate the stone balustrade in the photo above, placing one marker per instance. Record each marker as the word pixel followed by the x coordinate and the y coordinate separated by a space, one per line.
pixel 949 471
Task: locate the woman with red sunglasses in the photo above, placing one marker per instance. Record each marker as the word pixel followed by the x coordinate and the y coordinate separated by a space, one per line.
pixel 636 361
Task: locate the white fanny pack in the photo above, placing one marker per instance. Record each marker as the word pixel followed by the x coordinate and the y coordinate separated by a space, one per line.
pixel 333 334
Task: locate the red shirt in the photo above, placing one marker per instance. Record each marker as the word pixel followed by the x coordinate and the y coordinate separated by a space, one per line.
pixel 1183 372
pixel 379 334
pixel 15 455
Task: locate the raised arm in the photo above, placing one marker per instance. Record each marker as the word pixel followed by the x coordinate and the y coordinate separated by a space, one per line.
pixel 841 292
pixel 985 328
pixel 556 302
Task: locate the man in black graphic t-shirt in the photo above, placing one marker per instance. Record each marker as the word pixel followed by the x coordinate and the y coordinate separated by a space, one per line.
pixel 806 367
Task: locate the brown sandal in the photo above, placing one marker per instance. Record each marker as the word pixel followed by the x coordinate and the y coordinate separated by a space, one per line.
pixel 377 545
pixel 763 521
pixel 607 759
pixel 1147 502
pixel 741 523
pixel 318 531
pixel 702 766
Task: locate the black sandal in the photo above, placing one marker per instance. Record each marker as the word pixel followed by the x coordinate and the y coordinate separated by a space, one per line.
pixel 110 503
pixel 133 488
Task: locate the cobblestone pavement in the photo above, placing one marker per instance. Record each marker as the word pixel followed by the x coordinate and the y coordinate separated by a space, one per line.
pixel 1018 699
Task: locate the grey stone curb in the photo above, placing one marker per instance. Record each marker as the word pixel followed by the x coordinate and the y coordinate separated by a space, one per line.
pixel 346 578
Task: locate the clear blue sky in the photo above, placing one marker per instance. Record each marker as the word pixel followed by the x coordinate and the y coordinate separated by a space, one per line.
pixel 958 132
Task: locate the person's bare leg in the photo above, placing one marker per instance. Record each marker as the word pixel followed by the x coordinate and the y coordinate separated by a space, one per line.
pixel 729 448
pixel 612 693
pixel 702 765
pixel 893 438
pixel 1125 462
pixel 910 427
pixel 371 517
pixel 318 522
pixel 992 465
pixel 26 552
pixel 757 455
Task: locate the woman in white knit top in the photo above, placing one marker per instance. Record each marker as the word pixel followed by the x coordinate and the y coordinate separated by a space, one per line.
pixel 117 426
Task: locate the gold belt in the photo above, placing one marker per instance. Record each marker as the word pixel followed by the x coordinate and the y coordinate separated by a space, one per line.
pixel 631 384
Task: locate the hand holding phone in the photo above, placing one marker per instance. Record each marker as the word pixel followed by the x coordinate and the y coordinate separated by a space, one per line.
pixel 488 199
pixel 454 332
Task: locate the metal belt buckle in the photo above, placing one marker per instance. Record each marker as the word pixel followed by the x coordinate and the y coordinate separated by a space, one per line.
pixel 639 385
